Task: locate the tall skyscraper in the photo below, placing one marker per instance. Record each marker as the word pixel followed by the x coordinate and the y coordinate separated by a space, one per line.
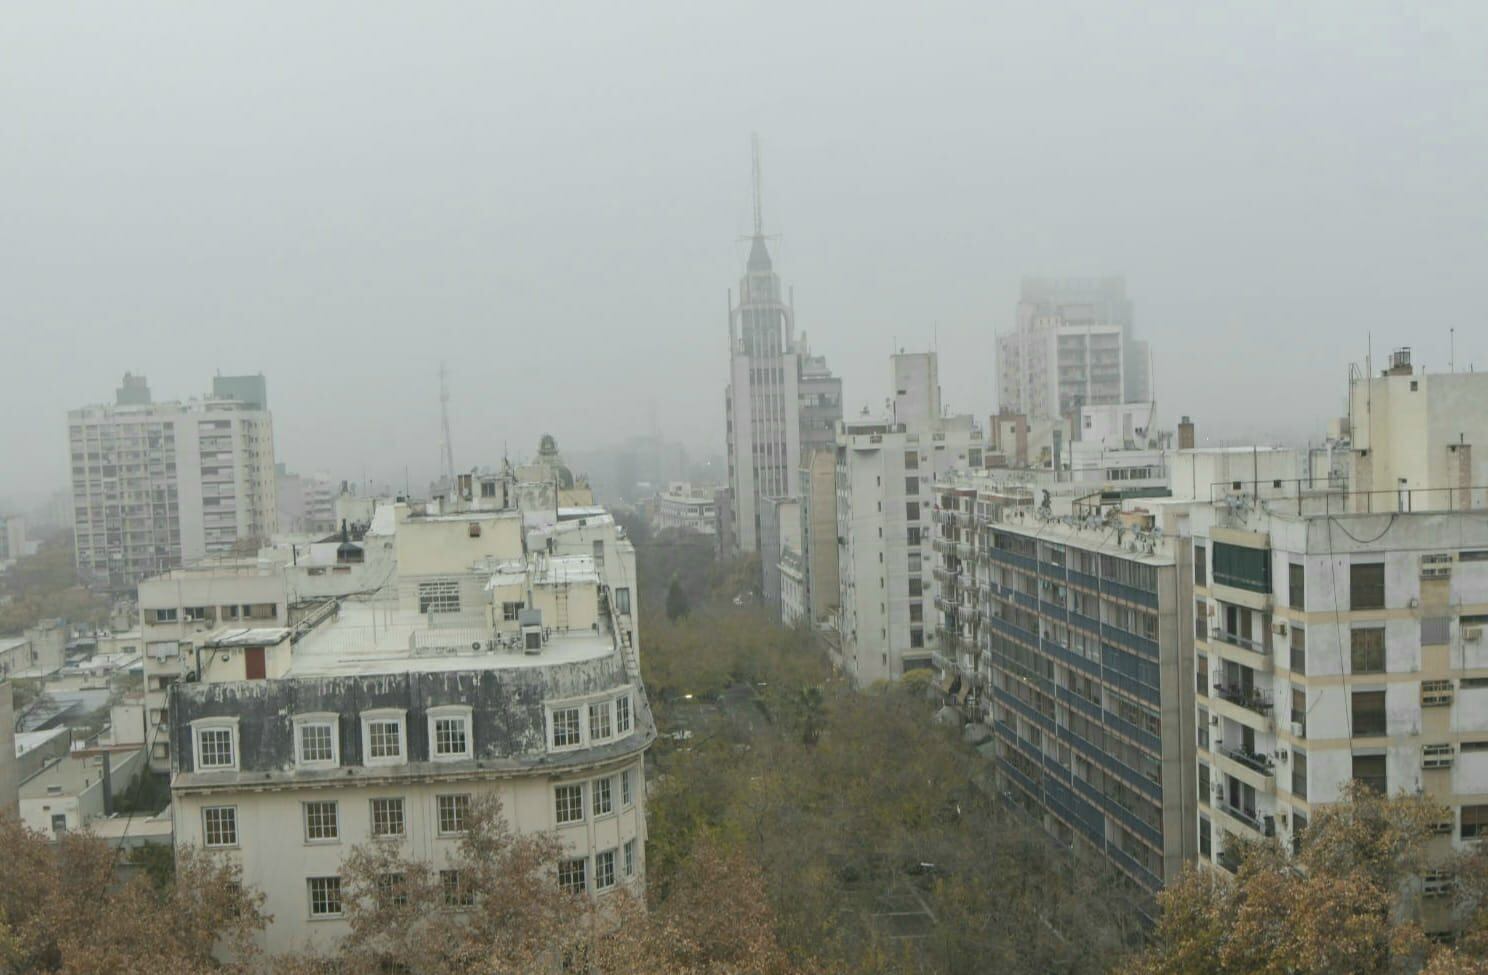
pixel 779 395
pixel 1072 347
pixel 156 485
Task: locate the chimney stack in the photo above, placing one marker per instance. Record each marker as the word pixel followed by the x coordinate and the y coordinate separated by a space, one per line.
pixel 1185 434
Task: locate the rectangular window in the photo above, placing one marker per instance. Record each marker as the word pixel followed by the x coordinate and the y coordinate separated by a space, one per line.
pixel 916 639
pixel 627 794
pixel 604 796
pixel 385 739
pixel 622 715
pixel 451 737
pixel 1370 770
pixel 604 870
pixel 1241 567
pixel 392 890
pixel 600 727
pixel 325 897
pixel 220 826
pixel 568 803
pixel 911 460
pixel 565 727
pixel 457 892
pixel 630 859
pixel 387 817
pixel 321 824
pixel 1299 650
pixel 509 611
pixel 1368 713
pixel 911 485
pixel 622 601
pixel 317 741
pixel 214 747
pixel 916 586
pixel 1299 711
pixel 1296 587
pixel 571 879
pixel 911 511
pixel 1474 822
pixel 454 812
pixel 439 596
pixel 1299 773
pixel 1367 586
pixel 1367 650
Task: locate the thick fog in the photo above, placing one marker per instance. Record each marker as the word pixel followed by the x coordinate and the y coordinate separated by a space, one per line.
pixel 550 196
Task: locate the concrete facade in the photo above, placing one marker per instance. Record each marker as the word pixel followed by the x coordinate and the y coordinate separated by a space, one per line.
pixel 683 508
pixel 779 396
pixel 1072 346
pixel 821 584
pixel 10 776
pixel 885 472
pixel 1069 636
pixel 158 485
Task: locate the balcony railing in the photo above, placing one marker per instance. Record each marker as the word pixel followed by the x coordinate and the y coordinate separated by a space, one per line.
pixel 1256 763
pixel 1235 640
pixel 1246 817
pixel 1250 699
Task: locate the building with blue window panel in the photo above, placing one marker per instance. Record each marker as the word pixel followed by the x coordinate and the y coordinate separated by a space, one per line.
pixel 1070 636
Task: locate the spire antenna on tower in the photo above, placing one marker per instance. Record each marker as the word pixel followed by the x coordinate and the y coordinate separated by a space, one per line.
pixel 446 446
pixel 759 221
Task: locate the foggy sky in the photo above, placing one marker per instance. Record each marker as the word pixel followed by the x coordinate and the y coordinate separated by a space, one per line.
pixel 549 197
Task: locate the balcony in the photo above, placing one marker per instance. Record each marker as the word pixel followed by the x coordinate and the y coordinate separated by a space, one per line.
pixel 1260 764
pixel 1250 699
pixel 1245 817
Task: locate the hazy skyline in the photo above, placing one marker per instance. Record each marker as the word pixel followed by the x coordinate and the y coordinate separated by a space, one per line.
pixel 343 195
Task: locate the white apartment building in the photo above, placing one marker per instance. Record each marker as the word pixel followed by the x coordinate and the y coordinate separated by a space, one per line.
pixel 503 662
pixel 779 397
pixel 306 502
pixel 681 507
pixel 158 485
pixel 885 471
pixel 36 652
pixel 820 582
pixel 1072 346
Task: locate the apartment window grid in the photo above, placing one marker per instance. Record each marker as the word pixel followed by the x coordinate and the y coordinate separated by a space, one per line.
pixel 1370 770
pixel 1299 649
pixel 1367 650
pixel 566 727
pixel 601 722
pixel 392 889
pixel 1367 585
pixel 321 824
pixel 220 826
pixel 317 743
pixel 604 796
pixel 1296 585
pixel 451 737
pixel 568 802
pixel 1367 710
pixel 456 890
pixel 453 813
pixel 215 747
pixel 1474 822
pixel 387 817
pixel 385 739
pixel 325 897
pixel 604 870
pixel 572 877
pixel 439 596
pixel 1299 773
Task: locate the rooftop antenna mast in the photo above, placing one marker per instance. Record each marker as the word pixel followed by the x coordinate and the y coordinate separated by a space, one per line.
pixel 759 219
pixel 446 446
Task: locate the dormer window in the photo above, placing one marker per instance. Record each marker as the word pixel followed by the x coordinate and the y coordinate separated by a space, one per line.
pixel 622 715
pixel 450 734
pixel 316 744
pixel 216 741
pixel 384 739
pixel 601 724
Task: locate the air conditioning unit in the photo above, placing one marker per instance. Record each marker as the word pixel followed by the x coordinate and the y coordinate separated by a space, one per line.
pixel 1437 756
pixel 1299 730
pixel 1279 628
pixel 1437 883
pixel 1282 755
pixel 1436 572
pixel 1436 693
pixel 1472 634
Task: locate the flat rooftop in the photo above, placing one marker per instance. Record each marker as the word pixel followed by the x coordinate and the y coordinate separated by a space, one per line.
pixel 379 638
pixel 1097 537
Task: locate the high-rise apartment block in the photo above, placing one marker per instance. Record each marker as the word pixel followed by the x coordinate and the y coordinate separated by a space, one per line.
pixel 781 399
pixel 158 485
pixel 1072 347
pixel 886 468
pixel 1069 637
